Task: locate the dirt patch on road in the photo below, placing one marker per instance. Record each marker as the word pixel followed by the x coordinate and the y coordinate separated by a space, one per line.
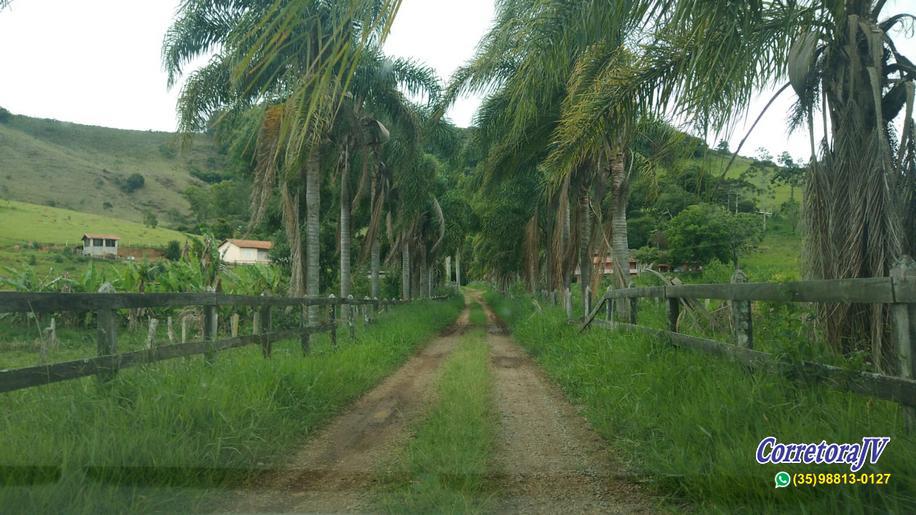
pixel 547 457
pixel 336 469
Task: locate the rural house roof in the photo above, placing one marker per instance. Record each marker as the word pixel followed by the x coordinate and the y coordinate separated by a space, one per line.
pixel 252 244
pixel 100 236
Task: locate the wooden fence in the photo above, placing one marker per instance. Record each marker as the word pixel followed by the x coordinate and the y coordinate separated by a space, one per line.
pixel 108 361
pixel 898 290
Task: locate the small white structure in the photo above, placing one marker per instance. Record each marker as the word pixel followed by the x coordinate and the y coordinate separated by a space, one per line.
pixel 97 245
pixel 245 252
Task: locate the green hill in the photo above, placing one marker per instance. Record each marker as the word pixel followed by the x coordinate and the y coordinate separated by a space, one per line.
pixel 24 223
pixel 85 168
pixel 770 197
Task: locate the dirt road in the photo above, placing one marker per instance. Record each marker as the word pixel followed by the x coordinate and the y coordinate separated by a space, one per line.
pixel 547 457
pixel 335 471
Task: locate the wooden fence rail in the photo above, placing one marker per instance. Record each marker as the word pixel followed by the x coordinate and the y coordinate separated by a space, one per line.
pixel 898 290
pixel 107 363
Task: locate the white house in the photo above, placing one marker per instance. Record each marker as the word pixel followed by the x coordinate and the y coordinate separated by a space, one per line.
pixel 100 244
pixel 245 252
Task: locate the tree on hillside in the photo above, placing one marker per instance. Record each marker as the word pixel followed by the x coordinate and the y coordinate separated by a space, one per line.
pixel 789 173
pixel 722 147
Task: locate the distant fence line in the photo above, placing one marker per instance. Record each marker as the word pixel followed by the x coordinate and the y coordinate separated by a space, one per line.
pixel 107 362
pixel 898 290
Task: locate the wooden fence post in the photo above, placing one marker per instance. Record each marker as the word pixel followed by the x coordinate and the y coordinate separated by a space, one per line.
pixel 609 309
pixel 674 312
pixel 170 331
pixel 305 332
pixel 151 332
pixel 234 325
pixel 107 341
pixel 634 306
pixel 211 324
pixel 367 311
pixel 184 329
pixel 332 319
pixel 904 316
pixel 567 303
pixel 587 301
pixel 263 329
pixel 53 343
pixel 553 297
pixel 742 321
pixel 351 326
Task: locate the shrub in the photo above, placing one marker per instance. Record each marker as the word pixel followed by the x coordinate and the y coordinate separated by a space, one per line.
pixel 167 151
pixel 173 251
pixel 704 232
pixel 133 183
pixel 5 115
pixel 150 220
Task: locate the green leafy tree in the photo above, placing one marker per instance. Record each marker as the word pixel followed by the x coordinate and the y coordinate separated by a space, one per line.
pixel 704 232
pixel 150 220
pixel 789 173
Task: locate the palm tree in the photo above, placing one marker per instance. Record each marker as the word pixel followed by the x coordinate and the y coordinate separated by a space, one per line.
pixel 839 58
pixel 541 58
pixel 376 92
pixel 294 55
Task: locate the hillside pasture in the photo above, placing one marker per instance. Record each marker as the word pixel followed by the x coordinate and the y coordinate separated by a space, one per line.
pixel 84 168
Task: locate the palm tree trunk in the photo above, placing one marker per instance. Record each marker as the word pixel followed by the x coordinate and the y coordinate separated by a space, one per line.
pixel 291 224
pixel 585 253
pixel 620 247
pixel 422 276
pixel 375 250
pixel 564 247
pixel 312 214
pixel 405 271
pixel 458 269
pixel 345 277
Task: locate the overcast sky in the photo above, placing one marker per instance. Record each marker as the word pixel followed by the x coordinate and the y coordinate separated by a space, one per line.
pixel 98 62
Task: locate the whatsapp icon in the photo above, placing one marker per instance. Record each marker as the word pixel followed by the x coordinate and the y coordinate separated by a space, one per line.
pixel 783 479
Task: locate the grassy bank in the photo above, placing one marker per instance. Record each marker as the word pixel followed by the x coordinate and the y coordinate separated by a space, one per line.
pixel 443 470
pixel 692 422
pixel 169 437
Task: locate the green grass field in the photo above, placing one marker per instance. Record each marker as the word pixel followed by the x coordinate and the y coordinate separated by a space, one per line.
pixel 44 237
pixel 77 167
pixel 172 437
pixel 22 223
pixel 691 422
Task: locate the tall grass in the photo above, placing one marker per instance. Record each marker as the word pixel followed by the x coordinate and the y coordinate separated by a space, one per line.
pixel 173 436
pixel 692 422
pixel 444 468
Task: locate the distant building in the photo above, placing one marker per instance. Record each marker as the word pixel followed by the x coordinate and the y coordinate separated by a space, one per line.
pixel 245 252
pixel 605 266
pixel 98 245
